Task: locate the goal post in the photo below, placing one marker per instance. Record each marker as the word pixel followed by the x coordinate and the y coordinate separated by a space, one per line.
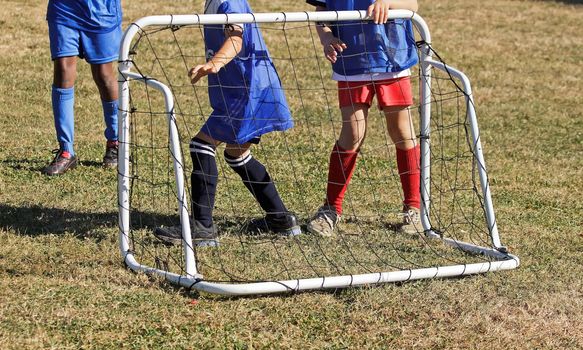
pixel 370 251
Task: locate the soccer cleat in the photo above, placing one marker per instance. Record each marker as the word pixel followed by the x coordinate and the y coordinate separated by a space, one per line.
pixel 62 162
pixel 287 225
pixel 324 222
pixel 110 157
pixel 411 221
pixel 201 236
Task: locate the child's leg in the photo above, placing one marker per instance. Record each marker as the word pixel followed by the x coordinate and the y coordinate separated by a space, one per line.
pixel 101 51
pixel 204 178
pixel 64 44
pixel 344 154
pixel 256 179
pixel 63 100
pixel 105 78
pixel 402 132
pixel 203 186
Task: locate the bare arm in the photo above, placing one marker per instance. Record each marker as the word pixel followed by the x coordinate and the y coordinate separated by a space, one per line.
pixel 230 48
pixel 332 45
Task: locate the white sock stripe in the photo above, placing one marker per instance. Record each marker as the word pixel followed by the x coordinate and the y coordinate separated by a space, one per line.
pixel 203 151
pixel 234 163
pixel 235 160
pixel 194 145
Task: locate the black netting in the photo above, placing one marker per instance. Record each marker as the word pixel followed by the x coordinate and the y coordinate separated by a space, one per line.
pixel 367 239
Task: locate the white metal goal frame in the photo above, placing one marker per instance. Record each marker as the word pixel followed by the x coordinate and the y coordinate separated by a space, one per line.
pixel 501 258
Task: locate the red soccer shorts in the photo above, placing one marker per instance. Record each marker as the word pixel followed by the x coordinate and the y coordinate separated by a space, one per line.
pixel 391 92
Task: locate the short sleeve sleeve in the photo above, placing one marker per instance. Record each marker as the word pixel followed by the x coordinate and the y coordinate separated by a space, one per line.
pixel 230 7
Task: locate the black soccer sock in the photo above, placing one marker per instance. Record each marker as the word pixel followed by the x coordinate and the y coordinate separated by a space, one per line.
pixel 259 183
pixel 203 180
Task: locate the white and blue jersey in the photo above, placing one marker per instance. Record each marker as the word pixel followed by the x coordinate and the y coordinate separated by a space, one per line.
pixel 382 48
pixel 246 95
pixel 95 16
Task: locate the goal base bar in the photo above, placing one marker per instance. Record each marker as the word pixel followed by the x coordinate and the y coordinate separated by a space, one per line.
pixel 506 262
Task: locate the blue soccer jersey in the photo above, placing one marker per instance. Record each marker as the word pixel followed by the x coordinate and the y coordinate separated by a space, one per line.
pixel 96 16
pixel 371 48
pixel 246 95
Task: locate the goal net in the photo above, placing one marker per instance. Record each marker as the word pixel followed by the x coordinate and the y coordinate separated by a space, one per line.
pixel 160 111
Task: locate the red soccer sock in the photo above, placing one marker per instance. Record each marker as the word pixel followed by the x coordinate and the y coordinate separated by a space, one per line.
pixel 409 171
pixel 65 154
pixel 342 164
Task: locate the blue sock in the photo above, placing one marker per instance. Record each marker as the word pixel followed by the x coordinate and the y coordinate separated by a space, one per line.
pixel 110 118
pixel 203 180
pixel 259 183
pixel 63 104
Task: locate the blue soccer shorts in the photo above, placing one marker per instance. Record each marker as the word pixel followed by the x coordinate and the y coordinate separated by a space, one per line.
pixel 95 48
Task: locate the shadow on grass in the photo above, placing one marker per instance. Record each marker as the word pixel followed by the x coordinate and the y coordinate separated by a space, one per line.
pixel 39 165
pixel 36 220
pixel 571 2
pixel 25 164
pixel 91 163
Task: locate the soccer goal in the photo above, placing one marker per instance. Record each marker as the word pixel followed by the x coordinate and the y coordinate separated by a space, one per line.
pixel 160 111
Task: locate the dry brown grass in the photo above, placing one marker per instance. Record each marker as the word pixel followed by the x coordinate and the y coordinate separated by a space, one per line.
pixel 62 284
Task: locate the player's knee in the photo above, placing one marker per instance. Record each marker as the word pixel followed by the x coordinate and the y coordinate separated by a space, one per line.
pixel 64 75
pixel 105 82
pixel 104 75
pixel 401 133
pixel 358 136
pixel 354 139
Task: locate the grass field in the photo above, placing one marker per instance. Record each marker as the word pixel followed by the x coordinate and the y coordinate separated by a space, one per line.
pixel 63 285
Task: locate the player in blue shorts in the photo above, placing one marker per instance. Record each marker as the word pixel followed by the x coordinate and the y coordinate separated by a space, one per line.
pixel 90 29
pixel 248 101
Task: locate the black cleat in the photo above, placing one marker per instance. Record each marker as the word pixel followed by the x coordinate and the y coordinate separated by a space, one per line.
pixel 60 164
pixel 286 225
pixel 201 236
